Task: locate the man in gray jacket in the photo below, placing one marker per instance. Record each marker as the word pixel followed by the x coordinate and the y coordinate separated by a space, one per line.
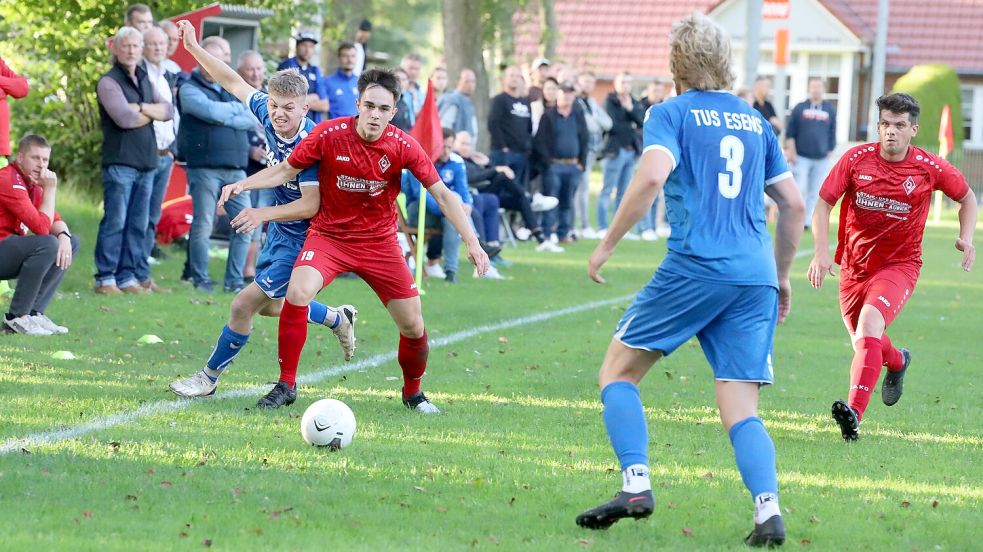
pixel 598 122
pixel 456 108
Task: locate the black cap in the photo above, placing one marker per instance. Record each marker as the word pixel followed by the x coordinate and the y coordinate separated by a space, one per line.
pixel 365 25
pixel 568 86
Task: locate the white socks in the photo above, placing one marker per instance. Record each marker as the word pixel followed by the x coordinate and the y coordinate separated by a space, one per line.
pixel 636 479
pixel 765 507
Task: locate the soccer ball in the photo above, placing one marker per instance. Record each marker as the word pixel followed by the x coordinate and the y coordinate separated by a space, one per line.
pixel 328 423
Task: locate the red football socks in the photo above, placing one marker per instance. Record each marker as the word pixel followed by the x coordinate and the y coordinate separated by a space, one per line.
pixel 412 356
pixel 892 357
pixel 292 336
pixel 864 373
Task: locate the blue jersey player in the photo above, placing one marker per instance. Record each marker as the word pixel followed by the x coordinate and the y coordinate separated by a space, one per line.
pixel 282 114
pixel 715 158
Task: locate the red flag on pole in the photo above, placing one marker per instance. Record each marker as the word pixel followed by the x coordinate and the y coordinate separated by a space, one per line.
pixel 427 130
pixel 945 133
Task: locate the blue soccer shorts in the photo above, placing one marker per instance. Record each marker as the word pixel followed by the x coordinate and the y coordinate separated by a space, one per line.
pixel 276 262
pixel 734 324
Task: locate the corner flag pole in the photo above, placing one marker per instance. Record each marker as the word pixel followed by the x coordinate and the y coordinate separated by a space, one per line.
pixel 945 147
pixel 421 221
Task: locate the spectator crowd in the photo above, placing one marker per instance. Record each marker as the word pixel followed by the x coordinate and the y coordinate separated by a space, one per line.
pixel 546 127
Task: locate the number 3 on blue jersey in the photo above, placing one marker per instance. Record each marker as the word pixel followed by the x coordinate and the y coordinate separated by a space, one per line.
pixel 732 150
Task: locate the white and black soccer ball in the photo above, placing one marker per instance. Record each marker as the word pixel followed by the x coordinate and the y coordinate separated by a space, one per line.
pixel 328 423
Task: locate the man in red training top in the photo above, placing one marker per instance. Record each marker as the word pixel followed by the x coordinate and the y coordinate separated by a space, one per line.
pixel 360 159
pixel 887 189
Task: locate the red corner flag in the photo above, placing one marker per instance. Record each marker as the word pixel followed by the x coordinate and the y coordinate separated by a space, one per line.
pixel 427 128
pixel 945 132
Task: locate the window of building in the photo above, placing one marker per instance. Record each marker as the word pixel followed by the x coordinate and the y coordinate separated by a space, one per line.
pixel 968 105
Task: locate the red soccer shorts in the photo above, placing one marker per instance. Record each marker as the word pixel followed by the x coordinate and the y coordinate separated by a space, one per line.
pixel 887 290
pixel 380 264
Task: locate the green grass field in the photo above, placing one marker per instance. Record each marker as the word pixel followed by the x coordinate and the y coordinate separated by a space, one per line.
pixel 520 449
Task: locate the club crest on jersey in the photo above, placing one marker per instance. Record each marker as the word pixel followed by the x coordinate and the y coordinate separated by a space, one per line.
pixel 384 163
pixel 908 185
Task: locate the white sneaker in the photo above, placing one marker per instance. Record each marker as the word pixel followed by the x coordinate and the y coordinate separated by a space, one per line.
pixel 588 233
pixel 26 325
pixel 649 235
pixel 663 231
pixel 523 234
pixel 631 236
pixel 554 238
pixel 420 403
pixel 601 233
pixel 47 324
pixel 491 274
pixel 434 271
pixel 541 202
pixel 345 332
pixel 198 385
pixel 549 247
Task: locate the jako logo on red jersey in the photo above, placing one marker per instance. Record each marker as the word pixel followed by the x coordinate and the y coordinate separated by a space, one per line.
pixel 866 177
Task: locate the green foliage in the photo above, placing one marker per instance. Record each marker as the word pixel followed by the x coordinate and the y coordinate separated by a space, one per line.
pixel 934 85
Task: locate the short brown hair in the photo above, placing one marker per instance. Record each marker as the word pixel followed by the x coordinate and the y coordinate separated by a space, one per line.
pixel 288 84
pixel 900 103
pixel 32 141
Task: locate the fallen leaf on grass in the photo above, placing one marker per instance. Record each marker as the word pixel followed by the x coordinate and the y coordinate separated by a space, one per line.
pixel 687 532
pixel 421 489
pixel 87 513
pixel 805 542
pixel 131 497
pixel 905 504
pixel 935 503
pixel 207 543
pixel 165 484
pixel 585 543
pixel 708 475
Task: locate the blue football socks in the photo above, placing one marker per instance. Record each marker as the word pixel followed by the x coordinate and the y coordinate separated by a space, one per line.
pixel 755 455
pixel 624 419
pixel 226 348
pixel 318 313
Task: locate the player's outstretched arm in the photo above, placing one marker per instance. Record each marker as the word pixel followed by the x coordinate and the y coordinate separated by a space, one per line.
pixel 791 216
pixel 270 177
pixel 222 73
pixel 450 206
pixel 303 208
pixel 967 224
pixel 822 263
pixel 645 185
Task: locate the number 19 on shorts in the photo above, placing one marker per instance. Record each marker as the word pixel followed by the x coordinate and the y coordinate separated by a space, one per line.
pixel 307 255
pixel 732 151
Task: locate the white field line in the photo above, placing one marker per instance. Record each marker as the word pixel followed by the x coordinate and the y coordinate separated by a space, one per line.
pixel 151 409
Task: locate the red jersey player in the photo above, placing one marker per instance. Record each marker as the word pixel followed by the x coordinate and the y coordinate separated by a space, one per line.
pixel 887 189
pixel 360 159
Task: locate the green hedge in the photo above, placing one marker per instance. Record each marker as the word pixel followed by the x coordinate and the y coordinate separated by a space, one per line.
pixel 934 85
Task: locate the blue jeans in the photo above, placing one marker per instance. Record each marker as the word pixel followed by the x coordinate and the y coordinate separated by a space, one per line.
pixel 120 243
pixel 809 175
pixel 518 162
pixel 617 174
pixel 450 246
pixel 484 216
pixel 162 177
pixel 561 181
pixel 205 186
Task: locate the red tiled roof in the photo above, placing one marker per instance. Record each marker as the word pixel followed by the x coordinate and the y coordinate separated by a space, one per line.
pixel 949 31
pixel 609 36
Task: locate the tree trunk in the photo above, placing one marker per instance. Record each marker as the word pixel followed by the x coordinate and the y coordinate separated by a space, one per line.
pixel 548 32
pixel 463 48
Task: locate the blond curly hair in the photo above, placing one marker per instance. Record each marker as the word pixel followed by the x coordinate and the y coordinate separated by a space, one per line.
pixel 700 54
